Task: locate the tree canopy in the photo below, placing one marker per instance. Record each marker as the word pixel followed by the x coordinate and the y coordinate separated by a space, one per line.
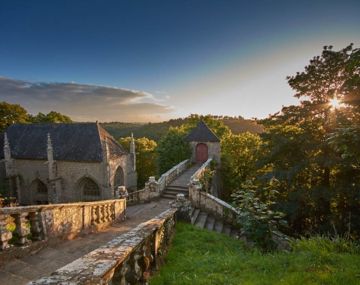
pixel 146 157
pixel 311 149
pixel 14 113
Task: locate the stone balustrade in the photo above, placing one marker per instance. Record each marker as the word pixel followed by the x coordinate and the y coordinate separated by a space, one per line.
pixel 22 225
pixel 127 259
pixel 199 173
pixel 211 204
pixel 154 188
pixel 170 175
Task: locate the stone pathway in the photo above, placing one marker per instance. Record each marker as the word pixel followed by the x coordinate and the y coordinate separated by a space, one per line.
pixel 184 179
pixel 47 260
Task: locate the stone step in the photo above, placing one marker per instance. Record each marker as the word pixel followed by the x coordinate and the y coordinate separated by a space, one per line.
pixel 210 223
pixel 177 187
pixel 168 196
pixel 227 230
pixel 175 192
pixel 234 233
pixel 201 220
pixel 195 215
pixel 218 226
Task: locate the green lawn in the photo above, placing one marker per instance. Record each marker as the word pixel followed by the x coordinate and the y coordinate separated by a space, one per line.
pixel 203 257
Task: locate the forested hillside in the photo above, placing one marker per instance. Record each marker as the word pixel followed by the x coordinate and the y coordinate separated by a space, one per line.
pixel 155 131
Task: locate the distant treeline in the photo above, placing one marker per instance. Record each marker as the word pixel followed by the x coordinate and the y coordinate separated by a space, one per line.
pixel 155 131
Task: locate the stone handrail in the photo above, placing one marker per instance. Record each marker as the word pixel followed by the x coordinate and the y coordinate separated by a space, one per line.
pixel 21 225
pixel 209 203
pixel 198 174
pixel 170 175
pixel 127 259
pixel 154 188
pixel 136 196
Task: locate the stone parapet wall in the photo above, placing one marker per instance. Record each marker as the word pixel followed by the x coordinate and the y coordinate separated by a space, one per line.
pixel 207 202
pixel 153 188
pixel 127 259
pixel 64 221
pixel 211 204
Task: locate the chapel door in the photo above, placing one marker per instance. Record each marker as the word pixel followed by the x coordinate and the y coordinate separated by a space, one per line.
pixel 201 153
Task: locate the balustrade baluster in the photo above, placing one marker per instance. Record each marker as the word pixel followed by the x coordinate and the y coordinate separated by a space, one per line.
pixel 35 225
pixel 22 227
pixel 102 214
pixel 5 234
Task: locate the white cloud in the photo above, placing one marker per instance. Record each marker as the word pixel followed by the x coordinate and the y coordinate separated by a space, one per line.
pixel 84 102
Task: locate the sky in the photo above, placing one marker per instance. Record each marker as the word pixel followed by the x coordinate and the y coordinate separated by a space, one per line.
pixel 150 60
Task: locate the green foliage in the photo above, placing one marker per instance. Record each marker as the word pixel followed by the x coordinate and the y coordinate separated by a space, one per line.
pixel 51 117
pixel 239 156
pixel 146 157
pixel 10 114
pixel 207 178
pixel 202 257
pixel 259 223
pixel 172 149
pixel 312 149
pixel 216 125
pixel 14 113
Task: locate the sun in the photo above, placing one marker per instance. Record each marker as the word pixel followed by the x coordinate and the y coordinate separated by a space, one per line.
pixel 334 103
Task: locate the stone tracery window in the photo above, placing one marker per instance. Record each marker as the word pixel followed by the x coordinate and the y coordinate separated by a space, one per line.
pixel 89 189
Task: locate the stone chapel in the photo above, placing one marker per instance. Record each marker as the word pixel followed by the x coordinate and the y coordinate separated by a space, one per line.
pixel 204 144
pixel 59 163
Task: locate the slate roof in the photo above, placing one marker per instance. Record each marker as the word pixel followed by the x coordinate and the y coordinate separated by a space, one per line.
pixel 71 142
pixel 202 133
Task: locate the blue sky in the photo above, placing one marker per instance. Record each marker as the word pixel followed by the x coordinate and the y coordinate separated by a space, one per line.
pixel 154 60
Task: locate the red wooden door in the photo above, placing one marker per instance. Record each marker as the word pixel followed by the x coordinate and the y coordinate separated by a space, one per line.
pixel 201 153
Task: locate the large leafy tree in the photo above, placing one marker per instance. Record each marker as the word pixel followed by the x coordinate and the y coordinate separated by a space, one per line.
pixel 216 124
pixel 12 113
pixel 172 149
pixel 310 147
pixel 239 156
pixel 146 157
pixel 51 117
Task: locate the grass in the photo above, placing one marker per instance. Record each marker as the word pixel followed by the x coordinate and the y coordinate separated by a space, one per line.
pixel 202 257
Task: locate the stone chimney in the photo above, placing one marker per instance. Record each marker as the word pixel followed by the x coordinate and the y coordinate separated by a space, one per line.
pixel 7 156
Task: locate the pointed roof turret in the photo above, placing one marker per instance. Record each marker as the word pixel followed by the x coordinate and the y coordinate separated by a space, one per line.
pixel 202 133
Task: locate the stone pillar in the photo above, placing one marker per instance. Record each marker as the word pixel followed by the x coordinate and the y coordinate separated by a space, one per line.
pixel 194 192
pixel 7 157
pixel 54 192
pixel 133 151
pixel 108 191
pixel 22 228
pixel 5 234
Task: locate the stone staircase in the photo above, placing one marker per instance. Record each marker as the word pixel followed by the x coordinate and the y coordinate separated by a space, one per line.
pixel 171 191
pixel 207 221
pixel 180 184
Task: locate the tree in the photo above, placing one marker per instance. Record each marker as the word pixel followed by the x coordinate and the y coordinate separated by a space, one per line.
pixel 12 113
pixel 310 148
pixel 172 149
pixel 215 124
pixel 51 117
pixel 146 157
pixel 239 154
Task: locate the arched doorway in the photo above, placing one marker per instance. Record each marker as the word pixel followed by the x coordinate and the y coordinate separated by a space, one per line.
pixel 89 189
pixel 201 153
pixel 119 178
pixel 39 192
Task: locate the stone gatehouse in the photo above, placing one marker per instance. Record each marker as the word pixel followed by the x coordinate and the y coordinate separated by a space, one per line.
pixel 57 163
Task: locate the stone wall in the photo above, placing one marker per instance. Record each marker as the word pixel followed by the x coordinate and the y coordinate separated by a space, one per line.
pixel 128 259
pixel 70 174
pixel 64 221
pixel 214 150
